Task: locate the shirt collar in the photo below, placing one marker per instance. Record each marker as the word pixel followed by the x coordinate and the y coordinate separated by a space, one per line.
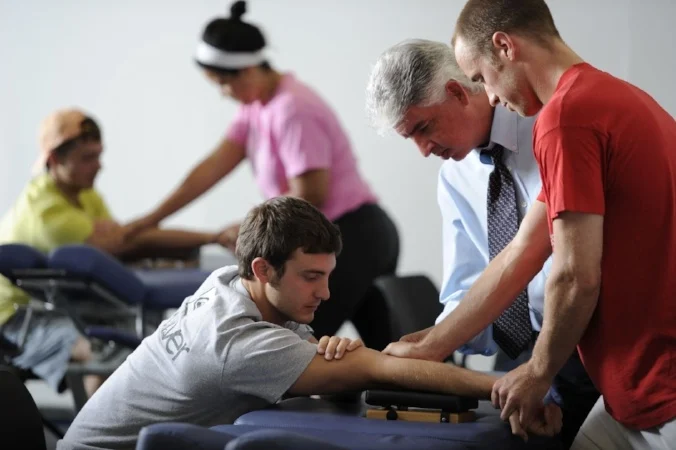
pixel 504 130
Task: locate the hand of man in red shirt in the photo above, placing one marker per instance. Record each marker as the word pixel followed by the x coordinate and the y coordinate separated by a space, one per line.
pixel 521 390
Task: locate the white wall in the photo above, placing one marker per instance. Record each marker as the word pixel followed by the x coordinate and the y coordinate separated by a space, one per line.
pixel 129 62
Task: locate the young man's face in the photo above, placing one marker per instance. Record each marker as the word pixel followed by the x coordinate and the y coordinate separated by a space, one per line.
pixel 304 285
pixel 79 167
pixel 450 129
pixel 504 79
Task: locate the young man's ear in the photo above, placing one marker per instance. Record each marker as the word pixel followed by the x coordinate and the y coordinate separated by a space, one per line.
pixel 262 270
pixel 504 45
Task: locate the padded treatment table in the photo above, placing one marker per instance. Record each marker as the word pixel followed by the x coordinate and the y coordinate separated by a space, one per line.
pixel 75 273
pixel 302 412
pixel 308 423
pixel 167 288
pixel 83 271
pixel 153 289
pixel 79 279
pixel 18 257
pixel 180 436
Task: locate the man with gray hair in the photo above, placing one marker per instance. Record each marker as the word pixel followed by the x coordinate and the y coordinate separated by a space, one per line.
pixel 417 88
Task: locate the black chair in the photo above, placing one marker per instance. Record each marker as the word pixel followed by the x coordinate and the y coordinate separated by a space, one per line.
pixel 21 420
pixel 20 413
pixel 412 302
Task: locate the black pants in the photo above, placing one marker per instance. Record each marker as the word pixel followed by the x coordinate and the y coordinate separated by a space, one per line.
pixel 370 249
pixel 575 393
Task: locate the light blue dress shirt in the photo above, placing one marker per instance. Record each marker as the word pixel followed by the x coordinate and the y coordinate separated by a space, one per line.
pixel 462 194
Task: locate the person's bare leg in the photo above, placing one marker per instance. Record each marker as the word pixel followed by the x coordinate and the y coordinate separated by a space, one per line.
pixel 82 352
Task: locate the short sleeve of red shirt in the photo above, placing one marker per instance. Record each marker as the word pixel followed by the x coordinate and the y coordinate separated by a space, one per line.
pixel 541 196
pixel 239 128
pixel 571 166
pixel 304 146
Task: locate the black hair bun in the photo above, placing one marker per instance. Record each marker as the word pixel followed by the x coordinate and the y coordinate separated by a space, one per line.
pixel 237 10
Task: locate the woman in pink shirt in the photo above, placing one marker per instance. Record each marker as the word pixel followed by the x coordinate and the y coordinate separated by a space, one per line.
pixel 296 146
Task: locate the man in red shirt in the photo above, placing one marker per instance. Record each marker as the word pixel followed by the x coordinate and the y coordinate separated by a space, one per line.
pixel 607 156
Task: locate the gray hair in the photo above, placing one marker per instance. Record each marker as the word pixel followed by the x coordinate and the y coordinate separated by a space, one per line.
pixel 411 73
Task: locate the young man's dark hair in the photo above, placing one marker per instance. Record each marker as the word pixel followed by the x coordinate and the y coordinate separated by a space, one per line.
pixel 274 230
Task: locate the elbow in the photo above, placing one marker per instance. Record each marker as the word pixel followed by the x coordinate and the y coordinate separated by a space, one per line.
pixel 579 283
pixel 588 283
pixel 316 201
pixel 376 370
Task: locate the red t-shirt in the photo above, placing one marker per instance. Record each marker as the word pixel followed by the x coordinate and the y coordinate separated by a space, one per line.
pixel 606 147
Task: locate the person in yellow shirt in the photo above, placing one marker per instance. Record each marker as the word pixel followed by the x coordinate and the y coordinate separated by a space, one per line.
pixel 60 206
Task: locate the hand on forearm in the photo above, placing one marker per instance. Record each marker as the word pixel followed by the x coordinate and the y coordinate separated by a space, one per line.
pixel 496 288
pixel 228 237
pixel 192 187
pixel 417 336
pixel 334 347
pixel 571 295
pixel 505 277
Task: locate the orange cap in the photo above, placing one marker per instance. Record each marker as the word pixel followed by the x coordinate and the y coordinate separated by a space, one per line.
pixel 59 127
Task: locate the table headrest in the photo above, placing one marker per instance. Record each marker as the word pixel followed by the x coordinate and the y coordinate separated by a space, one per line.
pixel 20 257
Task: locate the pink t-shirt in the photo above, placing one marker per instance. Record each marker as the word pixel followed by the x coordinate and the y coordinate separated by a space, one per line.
pixel 296 132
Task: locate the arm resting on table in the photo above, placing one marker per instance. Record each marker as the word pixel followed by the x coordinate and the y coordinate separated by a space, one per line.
pixel 364 368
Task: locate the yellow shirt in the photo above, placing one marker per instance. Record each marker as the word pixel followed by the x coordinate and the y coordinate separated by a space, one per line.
pixel 43 218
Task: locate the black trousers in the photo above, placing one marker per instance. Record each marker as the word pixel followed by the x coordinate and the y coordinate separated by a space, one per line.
pixel 370 249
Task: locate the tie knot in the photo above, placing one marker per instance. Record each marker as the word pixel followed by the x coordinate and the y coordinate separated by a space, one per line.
pixel 492 155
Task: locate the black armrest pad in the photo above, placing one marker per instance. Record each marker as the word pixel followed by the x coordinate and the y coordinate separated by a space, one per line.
pixel 418 399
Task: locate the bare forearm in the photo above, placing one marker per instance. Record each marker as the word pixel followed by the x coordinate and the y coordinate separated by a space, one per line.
pixel 505 277
pixel 150 243
pixel 569 306
pixel 365 368
pixel 434 377
pixel 200 179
